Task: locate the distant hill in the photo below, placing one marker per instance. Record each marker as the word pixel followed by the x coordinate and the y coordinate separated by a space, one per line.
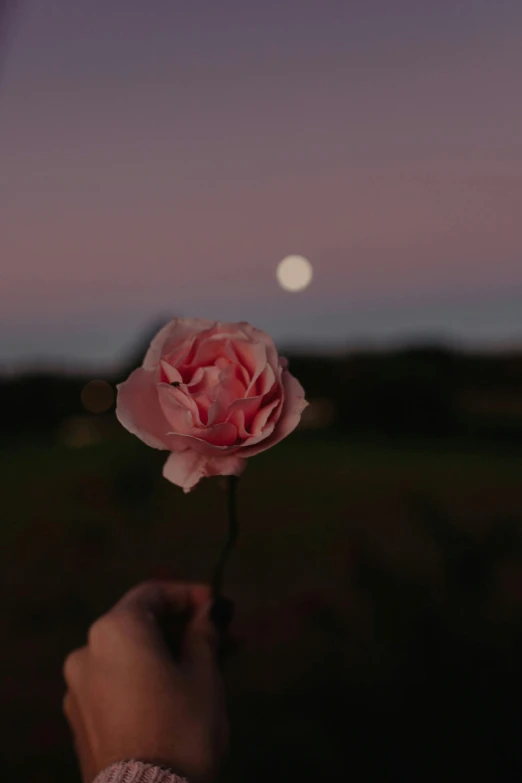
pixel 414 392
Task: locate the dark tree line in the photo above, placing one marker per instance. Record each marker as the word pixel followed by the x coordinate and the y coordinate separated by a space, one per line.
pixel 421 392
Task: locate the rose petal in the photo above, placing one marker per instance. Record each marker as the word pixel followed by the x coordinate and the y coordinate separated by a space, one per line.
pixel 171 374
pixel 243 373
pixel 229 388
pixel 206 381
pixel 181 412
pixel 195 377
pixel 293 406
pixel 186 468
pixel 203 404
pixel 264 435
pixel 209 351
pixel 223 434
pixel 242 412
pixel 262 417
pixel 182 356
pixel 258 336
pixel 172 336
pixel 251 355
pixel 264 382
pixel 139 411
pixel 213 342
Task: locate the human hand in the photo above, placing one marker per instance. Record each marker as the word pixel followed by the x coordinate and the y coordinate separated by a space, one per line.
pixel 128 697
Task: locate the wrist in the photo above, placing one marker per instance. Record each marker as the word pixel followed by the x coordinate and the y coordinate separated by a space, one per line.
pixel 134 771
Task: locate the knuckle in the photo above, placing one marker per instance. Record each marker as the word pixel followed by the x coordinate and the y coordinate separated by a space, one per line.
pixel 148 591
pixel 97 631
pixel 141 595
pixel 107 630
pixel 102 632
pixel 73 666
pixel 149 586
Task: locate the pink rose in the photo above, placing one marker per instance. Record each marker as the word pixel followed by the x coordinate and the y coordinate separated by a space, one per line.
pixel 212 394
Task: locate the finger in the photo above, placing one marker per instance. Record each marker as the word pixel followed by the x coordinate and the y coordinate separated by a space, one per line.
pixel 74 667
pixel 159 597
pixel 173 625
pixel 159 613
pixel 201 639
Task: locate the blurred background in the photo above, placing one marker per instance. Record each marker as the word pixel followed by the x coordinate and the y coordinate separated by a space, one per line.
pixel 347 176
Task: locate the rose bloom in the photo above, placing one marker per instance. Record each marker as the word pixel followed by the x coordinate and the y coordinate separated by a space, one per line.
pixel 212 394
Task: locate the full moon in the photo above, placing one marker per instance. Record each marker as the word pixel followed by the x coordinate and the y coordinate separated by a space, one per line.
pixel 294 273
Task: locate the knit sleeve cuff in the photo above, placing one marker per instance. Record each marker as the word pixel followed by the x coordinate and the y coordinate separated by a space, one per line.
pixel 136 772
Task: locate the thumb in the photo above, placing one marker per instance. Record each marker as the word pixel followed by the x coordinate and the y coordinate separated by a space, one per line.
pixel 201 640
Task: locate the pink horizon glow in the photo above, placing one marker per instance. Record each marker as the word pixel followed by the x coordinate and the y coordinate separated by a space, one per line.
pixel 165 159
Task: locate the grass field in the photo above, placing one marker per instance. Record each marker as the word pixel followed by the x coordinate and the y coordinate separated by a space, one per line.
pixel 378 592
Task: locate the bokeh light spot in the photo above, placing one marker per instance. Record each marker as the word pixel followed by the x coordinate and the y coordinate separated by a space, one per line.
pixel 294 273
pixel 97 396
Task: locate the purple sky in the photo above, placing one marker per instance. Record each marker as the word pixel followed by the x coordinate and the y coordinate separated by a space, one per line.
pixel 161 157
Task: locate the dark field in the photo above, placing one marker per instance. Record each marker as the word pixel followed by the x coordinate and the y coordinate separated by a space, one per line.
pixel 378 592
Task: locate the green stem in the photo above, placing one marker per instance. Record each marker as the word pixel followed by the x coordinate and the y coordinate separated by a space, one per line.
pixel 233 533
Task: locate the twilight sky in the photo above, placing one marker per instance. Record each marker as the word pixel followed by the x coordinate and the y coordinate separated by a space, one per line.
pixel 161 157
